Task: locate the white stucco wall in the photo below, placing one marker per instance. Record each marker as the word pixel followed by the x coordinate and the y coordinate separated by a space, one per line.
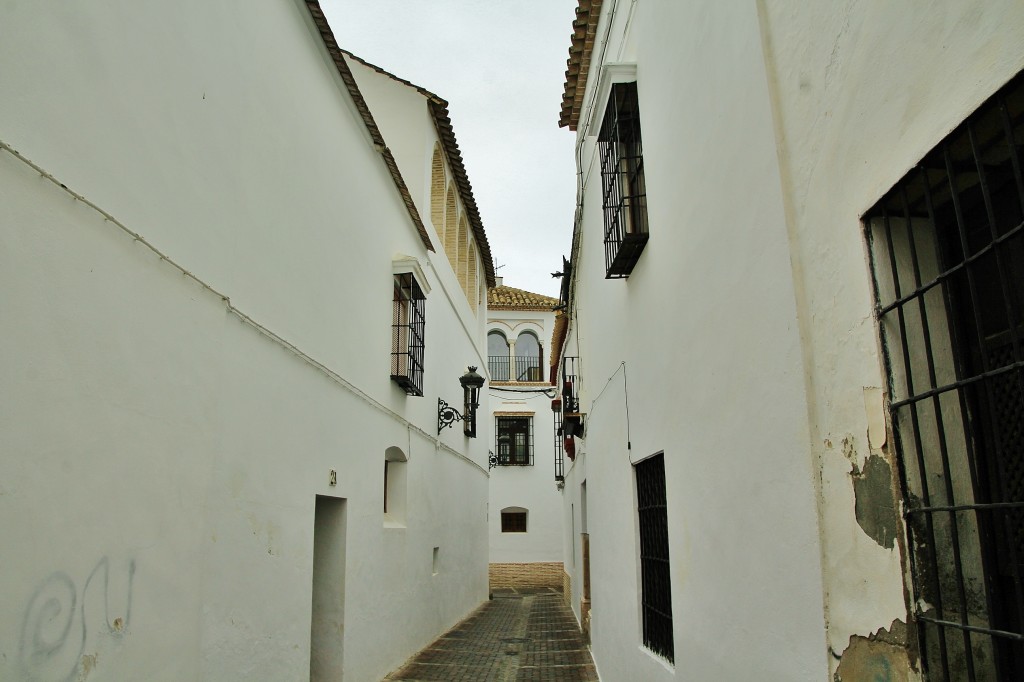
pixel 529 487
pixel 706 328
pixel 861 92
pixel 161 456
pixel 746 328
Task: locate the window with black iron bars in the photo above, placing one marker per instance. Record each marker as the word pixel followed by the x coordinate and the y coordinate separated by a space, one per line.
pixel 514 441
pixel 623 190
pixel 947 256
pixel 655 573
pixel 407 327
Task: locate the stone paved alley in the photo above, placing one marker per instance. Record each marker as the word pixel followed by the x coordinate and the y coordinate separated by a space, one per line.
pixel 516 636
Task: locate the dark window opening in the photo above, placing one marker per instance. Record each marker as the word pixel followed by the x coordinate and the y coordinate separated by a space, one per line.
pixel 513 522
pixel 947 255
pixel 407 327
pixel 623 190
pixel 655 573
pixel 515 441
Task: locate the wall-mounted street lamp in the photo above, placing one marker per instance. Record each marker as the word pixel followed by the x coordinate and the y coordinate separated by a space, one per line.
pixel 448 415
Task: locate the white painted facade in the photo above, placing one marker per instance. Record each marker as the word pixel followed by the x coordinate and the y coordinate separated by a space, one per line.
pixel 532 488
pixel 195 356
pixel 744 340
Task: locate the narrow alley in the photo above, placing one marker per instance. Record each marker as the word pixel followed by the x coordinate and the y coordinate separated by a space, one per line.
pixel 518 635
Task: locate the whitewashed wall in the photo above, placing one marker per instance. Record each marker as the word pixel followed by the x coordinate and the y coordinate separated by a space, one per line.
pixel 861 92
pixel 746 327
pixel 161 457
pixel 530 487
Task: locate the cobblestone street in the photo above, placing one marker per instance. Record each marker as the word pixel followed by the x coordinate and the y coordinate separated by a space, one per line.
pixel 516 636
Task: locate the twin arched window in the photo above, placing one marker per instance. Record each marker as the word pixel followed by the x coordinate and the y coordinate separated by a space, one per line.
pixel 525 364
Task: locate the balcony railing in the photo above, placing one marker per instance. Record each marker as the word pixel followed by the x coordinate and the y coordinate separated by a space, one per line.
pixel 528 369
pixel 498 366
pixel 504 368
pixel 570 388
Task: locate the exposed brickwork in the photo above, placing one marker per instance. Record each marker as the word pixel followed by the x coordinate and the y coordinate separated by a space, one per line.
pixel 567 589
pixel 437 184
pixel 513 637
pixel 537 575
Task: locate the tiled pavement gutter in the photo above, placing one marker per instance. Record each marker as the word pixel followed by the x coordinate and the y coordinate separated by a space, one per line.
pixel 518 635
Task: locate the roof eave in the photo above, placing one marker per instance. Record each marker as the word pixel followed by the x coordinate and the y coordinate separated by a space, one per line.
pixel 584 32
pixel 337 56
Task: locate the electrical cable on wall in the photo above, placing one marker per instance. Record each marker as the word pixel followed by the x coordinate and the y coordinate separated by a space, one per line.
pixel 292 348
pixel 625 390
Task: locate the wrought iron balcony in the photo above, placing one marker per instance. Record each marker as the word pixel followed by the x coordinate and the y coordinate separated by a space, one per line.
pixel 498 365
pixel 570 388
pixel 528 369
pixel 519 368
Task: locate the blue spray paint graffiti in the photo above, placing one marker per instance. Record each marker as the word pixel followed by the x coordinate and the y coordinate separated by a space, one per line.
pixel 55 627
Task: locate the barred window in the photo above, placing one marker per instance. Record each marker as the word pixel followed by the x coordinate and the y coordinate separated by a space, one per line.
pixel 947 256
pixel 655 573
pixel 623 191
pixel 515 441
pixel 407 326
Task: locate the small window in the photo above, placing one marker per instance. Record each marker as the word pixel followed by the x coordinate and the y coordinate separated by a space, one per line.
pixel 513 520
pixel 395 461
pixel 655 572
pixel 515 441
pixel 623 190
pixel 407 325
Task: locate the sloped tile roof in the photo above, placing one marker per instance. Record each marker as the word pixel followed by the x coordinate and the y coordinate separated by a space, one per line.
pixel 558 336
pixel 327 35
pixel 584 30
pixel 510 298
pixel 443 124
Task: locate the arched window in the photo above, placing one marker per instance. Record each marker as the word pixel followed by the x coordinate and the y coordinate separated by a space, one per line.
pixel 437 193
pixel 528 358
pixel 395 461
pixel 513 519
pixel 451 242
pixel 463 266
pixel 472 288
pixel 497 356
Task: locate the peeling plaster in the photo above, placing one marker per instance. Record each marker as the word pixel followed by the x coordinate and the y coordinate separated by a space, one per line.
pixel 875 506
pixel 880 657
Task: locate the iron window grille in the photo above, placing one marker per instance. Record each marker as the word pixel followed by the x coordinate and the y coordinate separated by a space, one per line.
pixel 407 326
pixel 623 190
pixel 947 257
pixel 559 447
pixel 570 388
pixel 656 590
pixel 514 441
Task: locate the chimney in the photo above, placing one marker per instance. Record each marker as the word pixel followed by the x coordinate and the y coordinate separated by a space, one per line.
pixel 497 281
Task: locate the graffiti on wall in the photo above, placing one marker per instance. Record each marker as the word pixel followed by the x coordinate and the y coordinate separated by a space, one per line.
pixel 60 621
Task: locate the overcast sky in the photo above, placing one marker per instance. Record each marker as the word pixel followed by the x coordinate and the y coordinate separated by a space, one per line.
pixel 501 66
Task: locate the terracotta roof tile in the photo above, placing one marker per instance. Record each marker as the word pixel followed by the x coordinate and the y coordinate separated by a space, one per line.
pixel 335 52
pixel 443 124
pixel 584 30
pixel 510 298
